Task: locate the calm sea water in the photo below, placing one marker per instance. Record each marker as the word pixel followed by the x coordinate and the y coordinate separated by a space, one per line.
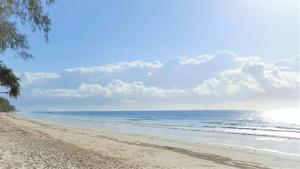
pixel 269 130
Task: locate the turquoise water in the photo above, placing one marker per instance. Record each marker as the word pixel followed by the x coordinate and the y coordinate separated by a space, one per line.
pixel 269 130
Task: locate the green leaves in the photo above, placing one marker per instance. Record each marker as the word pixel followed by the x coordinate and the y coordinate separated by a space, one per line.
pixel 10 81
pixel 10 38
pixel 5 105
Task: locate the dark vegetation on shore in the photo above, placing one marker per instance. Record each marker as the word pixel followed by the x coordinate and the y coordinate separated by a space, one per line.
pixel 5 106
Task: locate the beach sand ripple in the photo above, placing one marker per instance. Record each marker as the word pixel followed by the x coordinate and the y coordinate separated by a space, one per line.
pixel 22 149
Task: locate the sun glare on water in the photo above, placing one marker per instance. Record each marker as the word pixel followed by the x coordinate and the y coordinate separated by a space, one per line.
pixel 290 116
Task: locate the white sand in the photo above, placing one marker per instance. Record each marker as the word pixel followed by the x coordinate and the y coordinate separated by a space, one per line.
pixel 30 144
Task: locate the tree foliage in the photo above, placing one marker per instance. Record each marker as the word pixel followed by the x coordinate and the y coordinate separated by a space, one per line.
pixel 28 13
pixel 5 105
pixel 9 80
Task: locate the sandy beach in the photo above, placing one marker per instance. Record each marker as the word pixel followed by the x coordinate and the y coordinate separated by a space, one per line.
pixel 30 144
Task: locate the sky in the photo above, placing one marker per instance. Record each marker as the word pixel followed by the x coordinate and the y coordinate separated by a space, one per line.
pixel 171 54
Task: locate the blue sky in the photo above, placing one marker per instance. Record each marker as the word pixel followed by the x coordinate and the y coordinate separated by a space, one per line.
pixel 108 33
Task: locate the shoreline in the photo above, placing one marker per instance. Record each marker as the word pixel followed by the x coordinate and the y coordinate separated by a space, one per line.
pixel 140 151
pixel 158 137
pixel 187 133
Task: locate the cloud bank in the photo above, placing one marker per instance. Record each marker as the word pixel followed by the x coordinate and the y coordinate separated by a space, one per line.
pixel 221 80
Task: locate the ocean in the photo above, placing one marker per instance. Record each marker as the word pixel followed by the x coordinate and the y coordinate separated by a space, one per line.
pixel 270 130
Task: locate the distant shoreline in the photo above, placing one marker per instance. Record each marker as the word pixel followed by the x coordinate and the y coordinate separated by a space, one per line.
pixel 97 149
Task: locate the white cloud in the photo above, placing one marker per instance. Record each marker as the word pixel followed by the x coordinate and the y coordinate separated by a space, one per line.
pixel 272 75
pixel 117 88
pixel 290 64
pixel 220 57
pixel 149 74
pixel 56 93
pixel 117 67
pixel 30 77
pixel 252 75
pixel 229 82
pixel 185 60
